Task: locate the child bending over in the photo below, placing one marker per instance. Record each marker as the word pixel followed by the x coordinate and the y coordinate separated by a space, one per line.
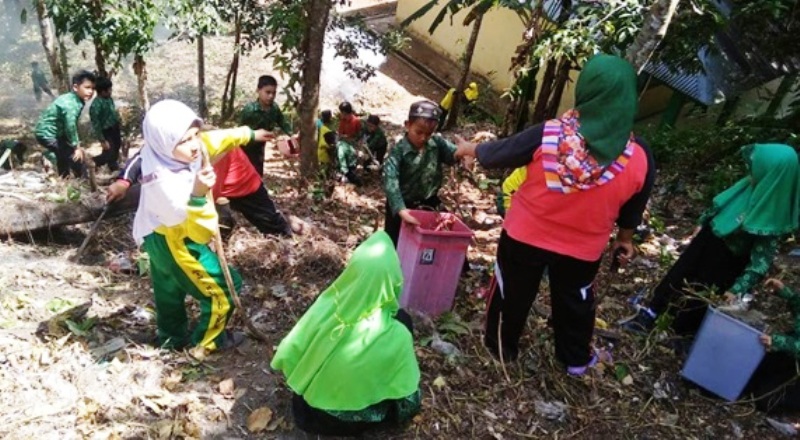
pixel 774 384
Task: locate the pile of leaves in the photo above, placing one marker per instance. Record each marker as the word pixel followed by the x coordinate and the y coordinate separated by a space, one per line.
pixel 78 355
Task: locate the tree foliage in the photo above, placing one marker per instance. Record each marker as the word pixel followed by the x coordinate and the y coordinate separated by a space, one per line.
pixel 286 24
pixel 765 28
pixel 118 28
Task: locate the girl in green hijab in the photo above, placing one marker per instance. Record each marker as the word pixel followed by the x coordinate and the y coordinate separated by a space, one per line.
pixel 737 240
pixel 350 358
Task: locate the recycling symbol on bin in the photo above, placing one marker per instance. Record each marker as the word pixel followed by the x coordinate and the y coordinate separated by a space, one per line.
pixel 427 256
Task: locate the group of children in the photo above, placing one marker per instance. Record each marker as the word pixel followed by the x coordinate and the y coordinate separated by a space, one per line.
pixel 57 127
pixel 338 150
pixel 175 222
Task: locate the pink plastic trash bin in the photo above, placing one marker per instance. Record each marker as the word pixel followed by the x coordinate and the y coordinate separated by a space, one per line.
pixel 290 146
pixel 432 262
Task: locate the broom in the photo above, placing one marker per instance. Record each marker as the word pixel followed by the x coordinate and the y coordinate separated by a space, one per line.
pixel 226 271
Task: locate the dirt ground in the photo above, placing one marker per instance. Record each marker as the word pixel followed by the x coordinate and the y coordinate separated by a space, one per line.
pixel 76 354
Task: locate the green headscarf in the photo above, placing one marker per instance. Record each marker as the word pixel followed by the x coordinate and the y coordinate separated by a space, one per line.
pixel 606 99
pixel 767 202
pixel 347 352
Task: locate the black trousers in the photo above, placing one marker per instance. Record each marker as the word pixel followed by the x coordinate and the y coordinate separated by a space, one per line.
pixel 259 209
pixel 316 421
pixel 775 384
pixel 571 294
pixel 110 157
pixel 393 222
pixel 255 152
pixel 707 262
pixel 64 161
pixel 379 152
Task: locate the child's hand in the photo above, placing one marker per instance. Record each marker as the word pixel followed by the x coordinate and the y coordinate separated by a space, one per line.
pixel 78 155
pixel 773 284
pixel 262 135
pixel 464 148
pixel 205 179
pixel 405 214
pixel 116 191
pixel 766 340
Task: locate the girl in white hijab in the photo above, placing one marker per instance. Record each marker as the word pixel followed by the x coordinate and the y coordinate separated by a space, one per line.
pixel 175 223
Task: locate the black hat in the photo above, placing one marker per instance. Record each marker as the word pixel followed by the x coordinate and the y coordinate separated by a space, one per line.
pixel 374 119
pixel 425 110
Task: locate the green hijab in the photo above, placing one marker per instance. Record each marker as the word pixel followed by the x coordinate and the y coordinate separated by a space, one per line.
pixel 606 99
pixel 767 202
pixel 347 351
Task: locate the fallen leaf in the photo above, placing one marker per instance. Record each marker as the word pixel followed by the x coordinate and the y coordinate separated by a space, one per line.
pixel 258 420
pixel 627 380
pixel 226 387
pixel 198 352
pixel 171 382
pixel 439 382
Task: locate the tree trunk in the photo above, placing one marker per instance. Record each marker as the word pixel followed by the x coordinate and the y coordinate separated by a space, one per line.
pixel 50 45
pixel 100 59
pixel 469 51
pixel 228 96
pixel 63 56
pixel 317 14
pixel 202 106
pixel 140 69
pixel 783 89
pixel 653 31
pixel 99 53
pixel 558 91
pixel 540 110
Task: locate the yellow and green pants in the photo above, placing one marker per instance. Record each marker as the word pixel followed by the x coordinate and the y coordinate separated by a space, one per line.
pixel 182 267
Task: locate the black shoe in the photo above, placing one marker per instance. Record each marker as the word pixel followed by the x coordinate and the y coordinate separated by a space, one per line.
pixel 232 340
pixel 642 322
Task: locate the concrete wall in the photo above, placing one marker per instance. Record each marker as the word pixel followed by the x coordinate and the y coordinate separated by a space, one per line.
pixel 500 34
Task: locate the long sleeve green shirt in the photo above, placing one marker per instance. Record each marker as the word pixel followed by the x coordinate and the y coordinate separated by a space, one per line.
pixel 104 115
pixel 762 250
pixel 790 342
pixel 60 119
pixel 411 175
pixel 375 140
pixel 255 117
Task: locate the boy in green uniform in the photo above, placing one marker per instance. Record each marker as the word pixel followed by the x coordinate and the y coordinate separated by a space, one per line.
pixel 375 137
pixel 39 82
pixel 57 128
pixel 263 113
pixel 106 125
pixel 413 174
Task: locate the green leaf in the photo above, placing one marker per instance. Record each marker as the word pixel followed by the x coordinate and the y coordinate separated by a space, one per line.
pixel 23 16
pixel 58 305
pixel 621 371
pixel 80 328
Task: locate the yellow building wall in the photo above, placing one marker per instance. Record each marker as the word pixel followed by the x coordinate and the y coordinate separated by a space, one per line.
pixel 500 34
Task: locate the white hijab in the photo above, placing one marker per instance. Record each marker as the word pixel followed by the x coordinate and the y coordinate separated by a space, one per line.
pixel 166 182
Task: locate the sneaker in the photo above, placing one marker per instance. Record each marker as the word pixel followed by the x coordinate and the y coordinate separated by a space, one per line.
pixel 580 371
pixel 642 322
